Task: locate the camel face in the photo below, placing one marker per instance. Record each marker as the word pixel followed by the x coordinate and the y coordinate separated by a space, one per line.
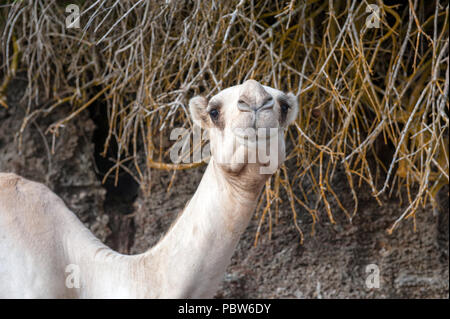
pixel 246 125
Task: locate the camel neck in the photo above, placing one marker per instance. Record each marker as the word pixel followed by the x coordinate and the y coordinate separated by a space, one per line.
pixel 188 262
pixel 192 257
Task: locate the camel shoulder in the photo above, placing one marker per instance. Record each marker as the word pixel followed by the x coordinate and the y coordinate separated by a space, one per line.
pixel 8 180
pixel 17 191
pixel 13 182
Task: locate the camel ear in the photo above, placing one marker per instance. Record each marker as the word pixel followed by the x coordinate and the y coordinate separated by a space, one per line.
pixel 197 107
pixel 293 109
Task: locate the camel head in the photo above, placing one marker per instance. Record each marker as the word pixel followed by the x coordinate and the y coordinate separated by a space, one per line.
pixel 246 126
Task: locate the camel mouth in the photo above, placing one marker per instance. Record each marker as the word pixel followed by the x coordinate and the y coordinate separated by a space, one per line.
pixel 252 135
pixel 253 138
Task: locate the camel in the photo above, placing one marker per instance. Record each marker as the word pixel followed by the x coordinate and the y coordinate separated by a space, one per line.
pixel 46 252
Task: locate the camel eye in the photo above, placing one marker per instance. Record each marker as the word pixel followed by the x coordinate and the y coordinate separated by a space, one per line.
pixel 284 107
pixel 214 114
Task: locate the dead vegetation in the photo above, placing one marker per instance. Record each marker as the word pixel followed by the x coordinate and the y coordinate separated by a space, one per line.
pixel 361 89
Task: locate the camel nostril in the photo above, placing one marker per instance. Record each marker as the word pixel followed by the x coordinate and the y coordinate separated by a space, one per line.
pixel 243 106
pixel 268 104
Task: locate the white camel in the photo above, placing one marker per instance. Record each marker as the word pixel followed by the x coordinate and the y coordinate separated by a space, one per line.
pixel 46 252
